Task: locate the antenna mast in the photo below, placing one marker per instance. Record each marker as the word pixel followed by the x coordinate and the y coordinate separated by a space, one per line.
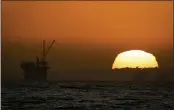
pixel 49 48
pixel 43 50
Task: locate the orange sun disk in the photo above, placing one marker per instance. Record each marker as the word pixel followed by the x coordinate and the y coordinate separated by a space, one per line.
pixel 134 59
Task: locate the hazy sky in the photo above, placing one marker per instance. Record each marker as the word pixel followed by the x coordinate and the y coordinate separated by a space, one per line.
pixel 88 35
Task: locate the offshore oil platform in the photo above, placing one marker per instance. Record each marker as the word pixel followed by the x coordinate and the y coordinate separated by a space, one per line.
pixel 37 71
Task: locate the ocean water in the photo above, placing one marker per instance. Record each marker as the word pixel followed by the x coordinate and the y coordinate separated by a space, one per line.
pixel 88 96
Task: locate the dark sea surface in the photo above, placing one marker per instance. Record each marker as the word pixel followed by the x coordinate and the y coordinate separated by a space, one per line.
pixel 88 96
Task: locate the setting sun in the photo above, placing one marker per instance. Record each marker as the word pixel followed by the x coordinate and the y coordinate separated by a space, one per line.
pixel 135 58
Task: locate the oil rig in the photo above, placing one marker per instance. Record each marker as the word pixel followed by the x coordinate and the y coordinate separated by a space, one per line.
pixel 37 71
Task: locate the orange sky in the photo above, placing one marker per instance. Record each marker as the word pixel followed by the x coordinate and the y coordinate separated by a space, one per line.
pixel 85 30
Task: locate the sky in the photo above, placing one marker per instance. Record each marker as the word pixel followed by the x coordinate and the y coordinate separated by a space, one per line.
pixel 89 35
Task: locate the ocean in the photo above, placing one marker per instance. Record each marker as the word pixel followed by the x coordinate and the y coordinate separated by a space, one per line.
pixel 88 96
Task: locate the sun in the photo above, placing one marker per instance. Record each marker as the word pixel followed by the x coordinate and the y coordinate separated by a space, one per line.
pixel 134 59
